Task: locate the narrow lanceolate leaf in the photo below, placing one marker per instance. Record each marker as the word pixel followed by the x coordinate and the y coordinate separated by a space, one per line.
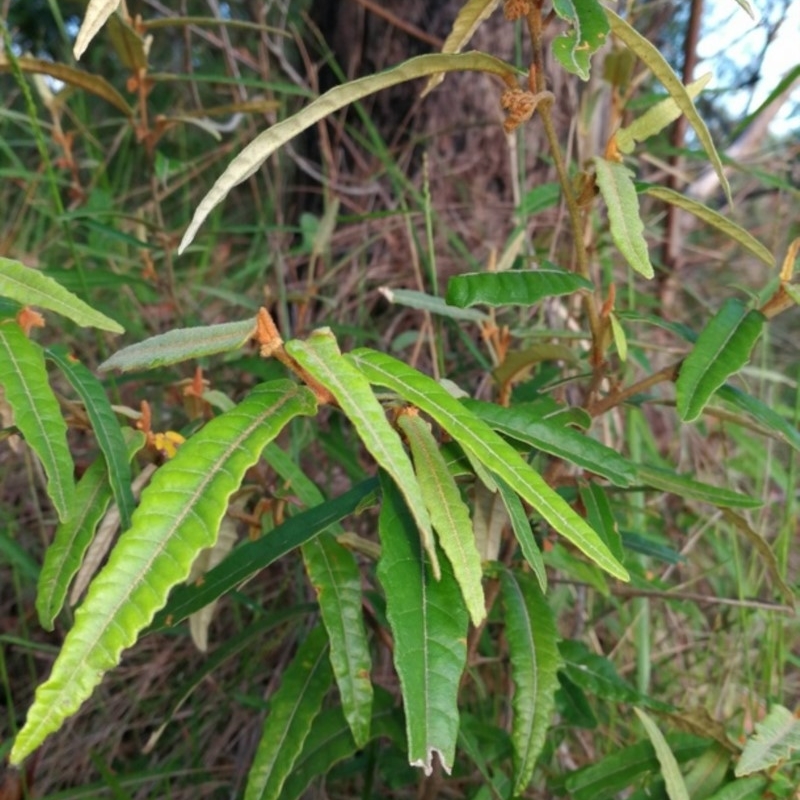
pixel 574 49
pixel 751 788
pixel 429 622
pixel 655 119
pixel 449 513
pixel 513 287
pixel 716 220
pixel 432 304
pixel 670 771
pixel 72 537
pixel 684 486
pixel 475 436
pixel 321 357
pixel 182 344
pixel 624 218
pixel 23 377
pixel 771 419
pixel 600 516
pixel 105 426
pixel 178 516
pixel 293 709
pixel 658 65
pixel 97 12
pixel 721 350
pixel 776 738
pixel 532 637
pixel 334 573
pixel 521 423
pixel 29 287
pixel 262 147
pixel 468 20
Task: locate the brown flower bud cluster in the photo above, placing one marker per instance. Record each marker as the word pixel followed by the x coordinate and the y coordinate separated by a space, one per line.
pixel 516 9
pixel 520 105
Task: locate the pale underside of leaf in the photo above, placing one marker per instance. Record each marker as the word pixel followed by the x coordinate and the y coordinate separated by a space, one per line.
pixel 777 736
pixel 97 12
pixel 263 146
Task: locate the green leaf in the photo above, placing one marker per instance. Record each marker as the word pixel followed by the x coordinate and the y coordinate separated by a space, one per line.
pixel 601 517
pixel 249 160
pixel 716 220
pixel 708 772
pixel 722 349
pixel 532 637
pixel 182 344
pixel 656 118
pixel 333 741
pixel 761 412
pixel 656 62
pixel 476 436
pixel 620 340
pixel 449 513
pixel 178 516
pixel 432 304
pixel 72 537
pixel 248 559
pixel 23 376
pixel 589 32
pixel 29 287
pixel 744 789
pixel 670 772
pixel 106 429
pixel 334 574
pixel 666 480
pixel 320 356
pixel 518 287
pixel 548 435
pixel 776 738
pixel 429 623
pixel 624 218
pixel 518 362
pixel 293 709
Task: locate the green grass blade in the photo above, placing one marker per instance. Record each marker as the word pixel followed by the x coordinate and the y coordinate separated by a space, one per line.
pixel 178 516
pixel 495 453
pixel 761 412
pixel 23 377
pixel 670 772
pixel 666 480
pixel 321 357
pixel 429 623
pixel 29 287
pixel 334 574
pixel 532 636
pixel 182 344
pixel 105 426
pixel 624 218
pixel 293 709
pixel 513 287
pixel 722 349
pixel 72 537
pixel 449 513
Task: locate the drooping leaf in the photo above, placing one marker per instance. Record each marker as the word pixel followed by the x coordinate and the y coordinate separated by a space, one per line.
pixel 449 513
pixel 776 738
pixel 656 62
pixel 178 516
pixel 683 486
pixel 520 422
pixel 489 520
pixel 761 412
pixel 429 622
pixel 320 355
pixel 106 429
pixel 333 741
pixel 432 304
pixel 589 32
pixel 721 350
pixel 517 363
pixel 248 559
pixel 23 377
pixel 97 12
pixel 532 637
pixel 716 220
pixel 655 119
pixel 334 573
pixel 670 771
pixel 181 344
pixel 469 19
pixel 29 287
pixel 65 554
pixel 263 146
pixel 495 453
pixel 516 287
pixel 293 709
pixel 624 218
